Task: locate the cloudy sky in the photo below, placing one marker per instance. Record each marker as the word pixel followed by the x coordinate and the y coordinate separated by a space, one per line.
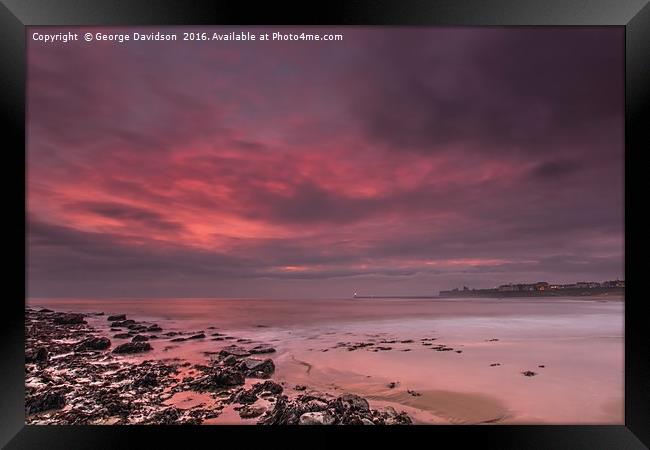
pixel 399 161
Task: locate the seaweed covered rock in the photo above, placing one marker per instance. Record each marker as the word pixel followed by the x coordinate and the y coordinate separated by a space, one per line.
pixel 133 347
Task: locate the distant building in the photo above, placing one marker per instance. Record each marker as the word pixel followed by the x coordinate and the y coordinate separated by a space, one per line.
pixel 541 286
pixel 507 288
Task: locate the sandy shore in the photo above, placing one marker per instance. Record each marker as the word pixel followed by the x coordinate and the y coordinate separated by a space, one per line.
pixel 445 362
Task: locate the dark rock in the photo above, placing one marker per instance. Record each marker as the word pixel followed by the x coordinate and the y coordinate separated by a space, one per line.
pixel 39 356
pixel 529 373
pixel 300 387
pixel 388 416
pixel 268 386
pixel 116 318
pixel 178 339
pixel 245 396
pixel 413 393
pixel 44 401
pixel 351 402
pixel 249 412
pixel 69 319
pixel 541 366
pixel 259 349
pixel 392 385
pixel 225 377
pixel 122 336
pixel 147 380
pixel 45 310
pixel 257 368
pixel 154 328
pixel 139 338
pixel 133 347
pixel 283 413
pixel 197 336
pixel 122 323
pixel 93 343
pixel 495 364
pixel 169 416
pixel 229 360
pixel 234 350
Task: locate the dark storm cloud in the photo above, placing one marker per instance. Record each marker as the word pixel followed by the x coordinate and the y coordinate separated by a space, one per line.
pixel 496 91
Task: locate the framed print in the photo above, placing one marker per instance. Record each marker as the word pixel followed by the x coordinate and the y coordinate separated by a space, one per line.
pixel 395 219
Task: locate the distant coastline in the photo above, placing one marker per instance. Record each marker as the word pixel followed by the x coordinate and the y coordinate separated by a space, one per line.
pixel 491 293
pixel 570 292
pixel 539 289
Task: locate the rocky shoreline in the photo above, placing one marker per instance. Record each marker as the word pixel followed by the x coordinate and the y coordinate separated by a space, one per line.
pixel 74 375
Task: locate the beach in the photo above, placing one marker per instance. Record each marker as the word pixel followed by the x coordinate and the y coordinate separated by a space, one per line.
pixel 429 361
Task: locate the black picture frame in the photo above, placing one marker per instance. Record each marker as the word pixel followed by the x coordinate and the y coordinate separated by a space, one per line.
pixel 15 15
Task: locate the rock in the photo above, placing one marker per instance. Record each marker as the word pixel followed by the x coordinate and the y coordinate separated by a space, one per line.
pixel 299 387
pixel 388 416
pixel 197 336
pixel 259 349
pixel 225 377
pixel 414 393
pixel 392 385
pixel 317 418
pixel 541 366
pixel 268 386
pixel 149 379
pixel 122 323
pixel 169 416
pixel 407 341
pixel 249 411
pixel 39 356
pixel 257 368
pixel 139 338
pixel 69 319
pixel 245 396
pixel 495 364
pixel 459 351
pixel 43 402
pixel 116 318
pixel 283 413
pixel 93 343
pixel 45 310
pixel 137 327
pixel 234 350
pixel 122 336
pixel 367 421
pixel 352 402
pixel 133 347
pixel 229 360
pixel 529 373
pixel 154 328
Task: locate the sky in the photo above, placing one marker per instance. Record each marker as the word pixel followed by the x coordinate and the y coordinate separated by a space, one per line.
pixel 400 161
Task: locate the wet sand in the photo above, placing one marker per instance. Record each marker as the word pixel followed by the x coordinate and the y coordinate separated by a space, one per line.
pixel 442 361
